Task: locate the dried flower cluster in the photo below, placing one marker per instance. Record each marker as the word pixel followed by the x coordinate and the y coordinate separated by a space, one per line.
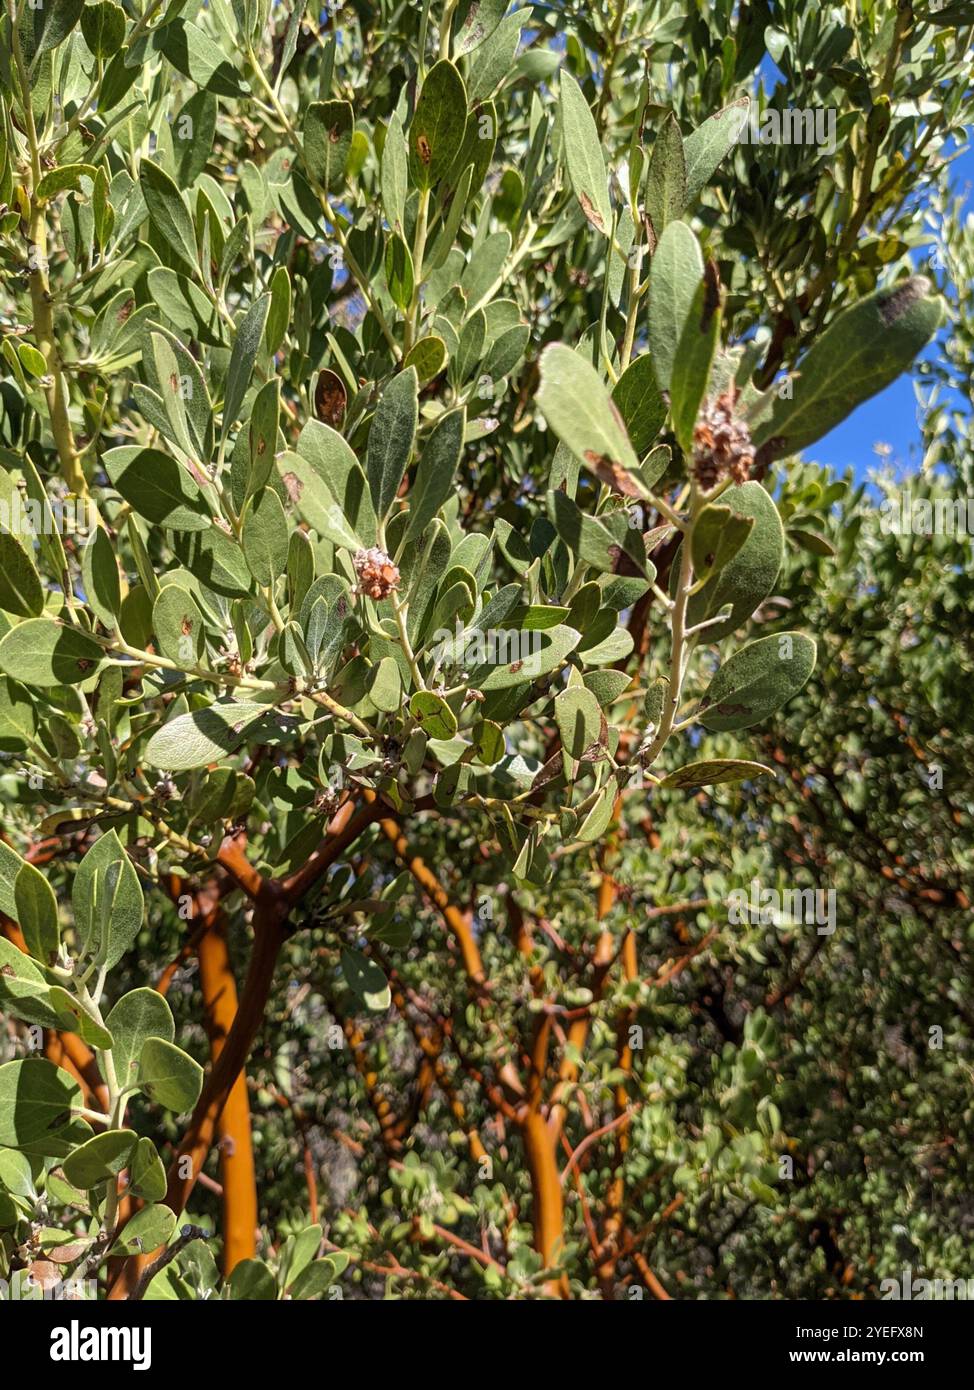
pixel 377 575
pixel 722 445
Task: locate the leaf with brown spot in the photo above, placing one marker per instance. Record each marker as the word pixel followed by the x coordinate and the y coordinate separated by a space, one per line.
pixel 583 154
pixel 327 139
pixel 593 215
pixel 863 349
pixel 331 399
pixel 438 125
pixel 612 474
pixel 576 404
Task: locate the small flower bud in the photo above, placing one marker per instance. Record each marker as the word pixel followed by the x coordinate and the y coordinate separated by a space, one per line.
pixel 377 575
pixel 722 445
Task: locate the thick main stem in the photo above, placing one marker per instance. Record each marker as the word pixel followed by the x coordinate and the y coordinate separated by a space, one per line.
pixel 237 1176
pixel 274 901
pixel 547 1204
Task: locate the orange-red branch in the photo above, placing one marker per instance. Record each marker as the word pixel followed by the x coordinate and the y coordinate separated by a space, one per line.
pixel 236 1148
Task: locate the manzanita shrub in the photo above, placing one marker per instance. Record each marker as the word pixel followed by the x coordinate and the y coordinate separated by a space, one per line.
pixel 393 404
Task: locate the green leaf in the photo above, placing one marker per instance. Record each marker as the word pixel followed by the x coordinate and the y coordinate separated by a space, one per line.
pixel 216 560
pixel 79 1020
pixel 167 213
pixel 470 349
pixel 666 178
pixel 138 1015
pixel 103 27
pixel 596 823
pixel 365 979
pixel 694 357
pixel 327 139
pixel 393 174
pixel 581 412
pixel 482 18
pixel 252 1282
pixel 170 390
pixel 53 23
pixel 862 351
pixel 65 176
pixel 489 738
pixel 605 640
pixel 757 680
pixel 749 577
pixel 292 652
pixel 654 701
pixel 265 536
pixel 488 68
pixel 18 719
pixel 579 719
pixel 147 1176
pixel 157 488
pixel 107 899
pixel 24 991
pixel 675 274
pixel 202 736
pixel 279 313
pixel 36 1099
pixel 438 124
pixel 103 1157
pixel 326 482
pixel 399 272
pixel 178 624
pixel 246 346
pixel 316 502
pixel 436 470
pixel 385 685
pixel 176 399
pixel 16 1175
pixel 20 585
pixel 638 400
pixel 543 652
pixel 705 147
pixel 35 908
pixel 433 715
pixel 506 351
pixel 99 574
pixel 583 155
pixel 10 866
pixel 584 535
pixel 486 263
pixel 146 1231
pixel 319 1276
pixel 193 132
pixel 811 541
pixel 391 439
pixel 713 771
pixel 32 361
pixel 606 686
pixel 175 296
pixel 325 632
pixel 42 652
pixel 193 53
pixel 169 1076
pixel 534 617
pixel 718 534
